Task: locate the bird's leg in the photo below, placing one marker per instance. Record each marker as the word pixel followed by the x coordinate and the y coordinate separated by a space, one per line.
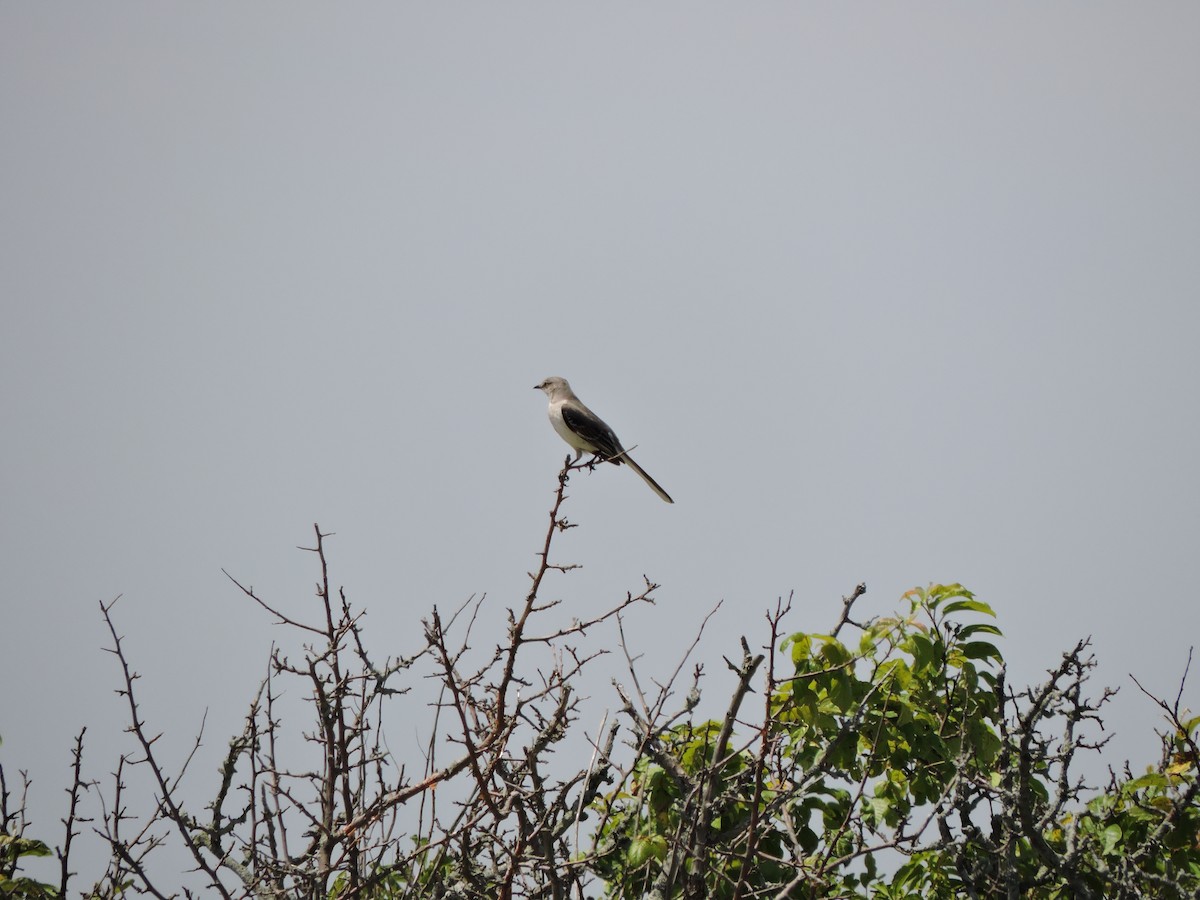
pixel 575 463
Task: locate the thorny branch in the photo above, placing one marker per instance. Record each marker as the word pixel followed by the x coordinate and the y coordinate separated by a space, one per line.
pixel 277 831
pixel 796 796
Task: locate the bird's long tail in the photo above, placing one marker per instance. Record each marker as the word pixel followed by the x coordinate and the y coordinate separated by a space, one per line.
pixel 646 478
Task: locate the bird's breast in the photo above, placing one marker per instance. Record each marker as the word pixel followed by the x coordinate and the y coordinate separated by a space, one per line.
pixel 564 432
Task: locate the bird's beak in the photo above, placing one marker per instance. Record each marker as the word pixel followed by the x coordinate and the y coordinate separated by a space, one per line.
pixel 537 387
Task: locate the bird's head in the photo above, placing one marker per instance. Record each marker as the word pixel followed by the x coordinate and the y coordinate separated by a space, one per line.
pixel 552 386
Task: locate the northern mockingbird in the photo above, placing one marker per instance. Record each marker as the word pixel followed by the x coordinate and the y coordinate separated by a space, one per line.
pixel 584 430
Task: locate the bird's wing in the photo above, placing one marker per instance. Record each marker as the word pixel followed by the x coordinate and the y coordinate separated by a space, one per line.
pixel 592 429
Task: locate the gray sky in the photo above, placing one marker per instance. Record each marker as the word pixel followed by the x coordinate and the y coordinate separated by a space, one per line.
pixel 895 294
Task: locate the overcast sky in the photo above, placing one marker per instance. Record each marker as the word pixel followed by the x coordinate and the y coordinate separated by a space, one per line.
pixel 887 293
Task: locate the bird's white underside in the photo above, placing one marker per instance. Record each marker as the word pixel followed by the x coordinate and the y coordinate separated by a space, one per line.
pixel 560 425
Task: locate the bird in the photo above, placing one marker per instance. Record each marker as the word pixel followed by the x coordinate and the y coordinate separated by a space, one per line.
pixel 584 430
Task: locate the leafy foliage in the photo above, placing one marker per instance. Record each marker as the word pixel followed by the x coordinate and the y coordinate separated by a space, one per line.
pixel 12 849
pixel 904 745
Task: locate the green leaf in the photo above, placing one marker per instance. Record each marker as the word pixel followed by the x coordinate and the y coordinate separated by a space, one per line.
pixel 898 671
pixel 26 889
pixel 880 808
pixel 841 692
pixel 1180 767
pixel 19 846
pixel 874 632
pixel 922 650
pixel 982 650
pixel 646 847
pixel 1111 837
pixel 1149 780
pixel 978 628
pixel 801 645
pixel 972 605
pixel 834 653
pixel 809 839
pixel 941 591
